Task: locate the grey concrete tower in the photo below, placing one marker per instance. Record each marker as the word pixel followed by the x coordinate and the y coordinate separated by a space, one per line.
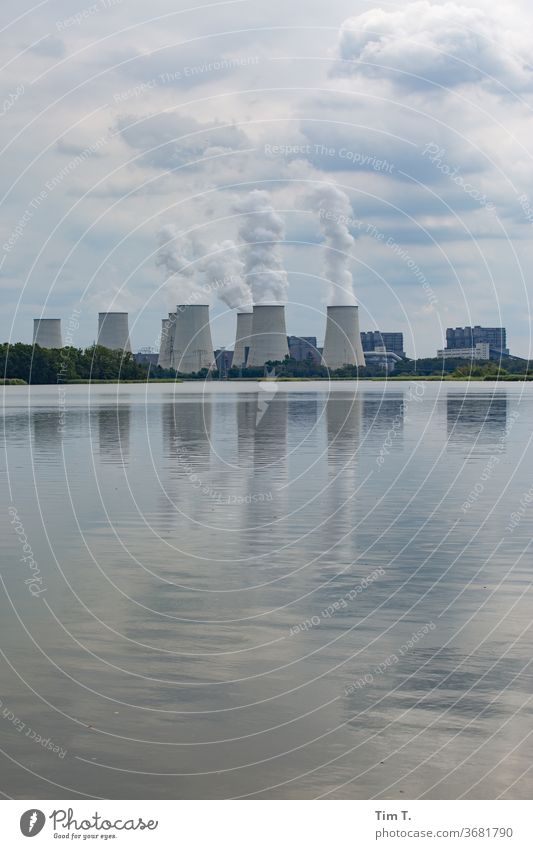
pixel 342 345
pixel 242 338
pixel 113 331
pixel 192 347
pixel 47 332
pixel 269 335
pixel 167 337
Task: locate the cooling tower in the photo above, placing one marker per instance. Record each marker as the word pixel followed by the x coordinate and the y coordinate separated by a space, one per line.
pixel 113 331
pixel 192 345
pixel 165 348
pixel 47 332
pixel 269 335
pixel 342 345
pixel 242 338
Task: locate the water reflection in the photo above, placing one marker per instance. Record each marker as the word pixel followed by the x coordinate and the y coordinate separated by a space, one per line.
pixel 46 433
pixel 197 658
pixel 114 426
pixel 479 418
pixel 383 416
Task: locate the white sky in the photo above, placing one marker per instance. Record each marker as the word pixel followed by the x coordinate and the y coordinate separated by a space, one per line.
pixel 420 112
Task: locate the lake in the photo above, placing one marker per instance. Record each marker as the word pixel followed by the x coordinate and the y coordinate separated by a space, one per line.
pixel 276 590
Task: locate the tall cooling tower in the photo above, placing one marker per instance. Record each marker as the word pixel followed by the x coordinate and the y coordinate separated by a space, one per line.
pixel 165 348
pixel 47 332
pixel 192 348
pixel 113 331
pixel 269 335
pixel 242 338
pixel 342 345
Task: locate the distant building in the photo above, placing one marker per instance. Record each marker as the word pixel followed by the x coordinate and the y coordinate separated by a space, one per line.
pixel 375 340
pixel 470 337
pixel 223 361
pixel 481 351
pixel 301 347
pixel 384 359
pixel 146 357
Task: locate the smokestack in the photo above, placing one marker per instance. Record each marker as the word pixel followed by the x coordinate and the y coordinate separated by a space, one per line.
pixel 47 332
pixel 113 331
pixel 242 338
pixel 192 345
pixel 269 335
pixel 165 347
pixel 342 345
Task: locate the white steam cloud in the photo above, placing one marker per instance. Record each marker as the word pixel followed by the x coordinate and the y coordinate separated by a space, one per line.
pixel 335 214
pixel 176 256
pixel 224 274
pixel 261 232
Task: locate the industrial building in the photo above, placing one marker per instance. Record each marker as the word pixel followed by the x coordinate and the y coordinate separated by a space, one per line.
pixel 269 335
pixel 342 344
pixel 481 351
pixel 47 332
pixel 375 340
pixel 469 337
pixel 113 331
pixel 146 357
pixel 302 347
pixel 167 339
pixel 223 361
pixel 242 339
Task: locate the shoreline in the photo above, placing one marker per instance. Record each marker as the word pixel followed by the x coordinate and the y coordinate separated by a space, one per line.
pixel 389 379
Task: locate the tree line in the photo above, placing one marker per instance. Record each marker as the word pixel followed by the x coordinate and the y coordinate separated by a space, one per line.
pixel 37 365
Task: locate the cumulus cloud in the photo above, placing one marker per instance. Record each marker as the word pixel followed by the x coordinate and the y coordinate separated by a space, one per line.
pixel 424 44
pixel 168 141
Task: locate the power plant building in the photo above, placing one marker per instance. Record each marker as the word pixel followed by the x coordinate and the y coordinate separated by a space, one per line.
pixel 167 338
pixel 303 347
pixel 113 331
pixel 375 340
pixel 469 337
pixel 342 344
pixel 269 335
pixel 47 332
pixel 192 347
pixel 242 339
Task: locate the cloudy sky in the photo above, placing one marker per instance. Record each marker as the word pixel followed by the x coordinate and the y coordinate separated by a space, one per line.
pixel 391 143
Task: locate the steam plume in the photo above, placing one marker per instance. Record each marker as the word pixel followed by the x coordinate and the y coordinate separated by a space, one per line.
pixel 224 273
pixel 175 255
pixel 335 213
pixel 261 231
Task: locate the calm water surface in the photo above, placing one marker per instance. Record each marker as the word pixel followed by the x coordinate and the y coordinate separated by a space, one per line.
pixel 283 591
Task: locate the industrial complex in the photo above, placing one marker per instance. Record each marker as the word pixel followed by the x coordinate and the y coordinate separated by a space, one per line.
pixel 261 337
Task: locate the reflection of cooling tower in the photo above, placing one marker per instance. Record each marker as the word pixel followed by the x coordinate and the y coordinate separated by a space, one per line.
pixel 269 335
pixel 165 348
pixel 114 434
pixel 242 338
pixel 47 332
pixel 113 331
pixel 342 345
pixel 192 345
